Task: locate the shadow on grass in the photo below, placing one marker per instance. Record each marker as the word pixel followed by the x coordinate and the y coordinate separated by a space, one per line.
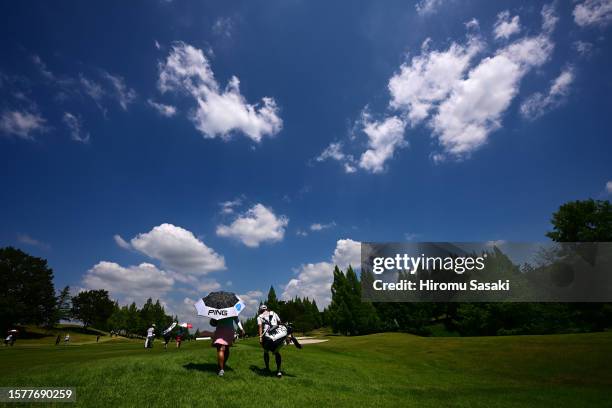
pixel 211 367
pixel 267 373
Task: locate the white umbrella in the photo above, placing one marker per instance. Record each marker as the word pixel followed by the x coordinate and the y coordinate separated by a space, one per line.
pixel 219 305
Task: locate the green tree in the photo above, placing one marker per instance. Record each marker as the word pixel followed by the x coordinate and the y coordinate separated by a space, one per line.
pixel 93 308
pixel 272 301
pixel 582 221
pixel 27 295
pixel 64 305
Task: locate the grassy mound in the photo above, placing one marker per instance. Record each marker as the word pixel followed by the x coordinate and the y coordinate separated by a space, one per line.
pixel 40 336
pixel 378 370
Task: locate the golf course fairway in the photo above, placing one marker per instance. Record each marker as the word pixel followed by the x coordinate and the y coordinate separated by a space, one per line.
pixel 388 369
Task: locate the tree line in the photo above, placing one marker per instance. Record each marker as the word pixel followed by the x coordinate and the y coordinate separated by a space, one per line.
pixel 577 221
pixel 28 297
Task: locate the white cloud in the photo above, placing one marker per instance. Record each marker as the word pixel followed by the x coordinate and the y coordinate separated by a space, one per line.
pixel 384 137
pixel 208 286
pixel 429 78
pixel 76 128
pixel 473 24
pixel 259 224
pixel 538 104
pixel 593 13
pixel 130 283
pixel 93 89
pixel 474 109
pixel 301 233
pixel 22 124
pixel 426 7
pixel 42 67
pixel 178 250
pixel 251 299
pixel 334 152
pixel 122 243
pixel 320 227
pixel 347 252
pixel 228 207
pixel 163 109
pixel 549 18
pixel 122 92
pixel 609 187
pixel 505 26
pixel 584 48
pixel 219 112
pixel 460 100
pixel 223 26
pixel 314 280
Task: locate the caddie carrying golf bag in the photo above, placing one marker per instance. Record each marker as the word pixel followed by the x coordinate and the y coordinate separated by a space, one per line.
pixel 276 337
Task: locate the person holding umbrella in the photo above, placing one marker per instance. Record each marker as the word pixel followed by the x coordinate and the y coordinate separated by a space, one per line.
pixel 223 309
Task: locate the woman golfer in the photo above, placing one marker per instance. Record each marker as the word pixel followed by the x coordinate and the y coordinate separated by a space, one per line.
pixel 223 338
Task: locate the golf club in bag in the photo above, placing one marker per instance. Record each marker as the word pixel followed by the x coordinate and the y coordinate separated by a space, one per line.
pixel 277 336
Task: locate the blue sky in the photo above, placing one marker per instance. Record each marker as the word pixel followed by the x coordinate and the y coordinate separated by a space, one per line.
pixel 168 148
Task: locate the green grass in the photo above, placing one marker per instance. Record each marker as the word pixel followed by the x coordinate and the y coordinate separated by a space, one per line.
pixel 394 370
pixel 38 336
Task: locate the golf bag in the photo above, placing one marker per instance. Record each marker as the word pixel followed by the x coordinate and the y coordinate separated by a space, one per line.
pixel 276 337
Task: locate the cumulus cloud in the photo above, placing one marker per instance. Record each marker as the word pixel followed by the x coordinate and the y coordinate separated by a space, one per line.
pixel 347 252
pixel 314 280
pixel 458 93
pixel 251 299
pixel 427 7
pixel 593 13
pixel 219 112
pixel 75 127
pixel 258 224
pixel 429 77
pixel 505 26
pixel 137 282
pixel 161 108
pixel 177 249
pixel 538 104
pixel 384 137
pixel 22 124
pixel 609 187
pixel 474 108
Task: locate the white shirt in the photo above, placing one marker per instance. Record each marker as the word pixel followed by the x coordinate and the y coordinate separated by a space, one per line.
pixel 150 331
pixel 267 319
